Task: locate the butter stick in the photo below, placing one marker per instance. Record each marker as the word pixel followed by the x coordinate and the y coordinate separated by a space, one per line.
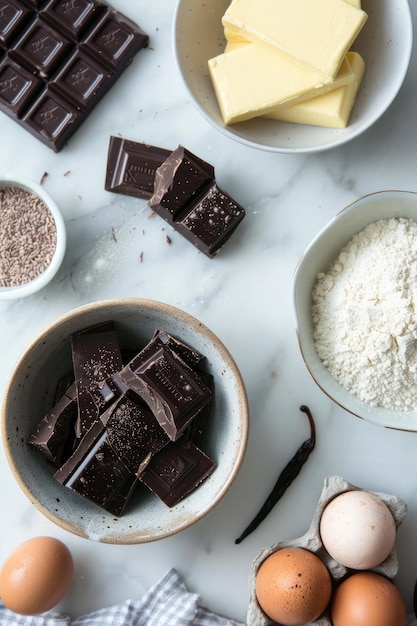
pixel 332 109
pixel 317 34
pixel 235 37
pixel 253 80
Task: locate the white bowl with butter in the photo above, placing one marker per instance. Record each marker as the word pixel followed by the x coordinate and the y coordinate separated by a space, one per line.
pixel 318 259
pixel 384 42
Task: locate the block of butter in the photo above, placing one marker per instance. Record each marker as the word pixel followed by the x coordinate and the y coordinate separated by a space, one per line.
pixel 234 37
pixel 255 79
pixel 332 109
pixel 316 33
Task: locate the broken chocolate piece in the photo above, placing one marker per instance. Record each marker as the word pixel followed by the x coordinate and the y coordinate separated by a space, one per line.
pixel 131 167
pixel 176 470
pixel 96 356
pixel 191 356
pixel 134 434
pixel 54 433
pixel 173 391
pixel 179 181
pixel 196 430
pixel 57 61
pixel 181 189
pixel 94 470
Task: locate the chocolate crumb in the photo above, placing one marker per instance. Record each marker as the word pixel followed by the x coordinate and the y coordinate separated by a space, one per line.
pixel 44 175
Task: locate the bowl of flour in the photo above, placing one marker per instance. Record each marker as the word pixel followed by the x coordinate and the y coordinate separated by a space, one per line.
pixel 355 305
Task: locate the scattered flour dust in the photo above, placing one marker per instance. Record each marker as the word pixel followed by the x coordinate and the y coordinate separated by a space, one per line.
pixel 364 315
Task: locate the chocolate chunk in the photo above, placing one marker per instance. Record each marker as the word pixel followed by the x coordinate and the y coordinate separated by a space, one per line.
pixel 94 470
pixel 58 59
pixel 120 500
pixel 173 391
pixel 96 356
pixel 176 470
pixel 189 199
pixel 134 434
pixel 181 189
pixel 179 181
pixel 55 432
pixel 196 430
pixel 162 339
pixel 131 167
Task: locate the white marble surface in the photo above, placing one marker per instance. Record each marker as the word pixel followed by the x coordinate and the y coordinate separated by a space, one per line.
pixel 244 295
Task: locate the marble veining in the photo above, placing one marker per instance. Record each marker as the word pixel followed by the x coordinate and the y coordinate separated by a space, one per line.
pixel 116 248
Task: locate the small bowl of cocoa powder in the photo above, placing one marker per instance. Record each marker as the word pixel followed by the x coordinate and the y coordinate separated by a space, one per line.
pixel 32 237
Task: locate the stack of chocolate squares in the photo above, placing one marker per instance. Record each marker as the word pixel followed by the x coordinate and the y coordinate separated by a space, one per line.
pixel 119 424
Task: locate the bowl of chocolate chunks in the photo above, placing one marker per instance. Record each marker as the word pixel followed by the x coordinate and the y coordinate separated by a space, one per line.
pixel 125 421
pixel 354 299
pixel 333 84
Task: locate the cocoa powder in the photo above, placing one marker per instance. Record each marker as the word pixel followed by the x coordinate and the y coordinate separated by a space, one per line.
pixel 27 236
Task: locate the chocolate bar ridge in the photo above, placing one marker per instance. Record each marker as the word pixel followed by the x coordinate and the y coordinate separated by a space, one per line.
pixel 57 61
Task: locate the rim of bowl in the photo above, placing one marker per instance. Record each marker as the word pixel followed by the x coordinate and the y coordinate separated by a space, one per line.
pixel 227 131
pixel 389 413
pixel 150 306
pixel 40 281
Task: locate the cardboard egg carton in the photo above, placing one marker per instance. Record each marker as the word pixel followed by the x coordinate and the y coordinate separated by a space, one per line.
pixel 333 486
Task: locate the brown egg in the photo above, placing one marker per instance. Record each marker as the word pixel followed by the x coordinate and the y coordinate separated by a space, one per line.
pixel 36 576
pixel 368 599
pixel 293 586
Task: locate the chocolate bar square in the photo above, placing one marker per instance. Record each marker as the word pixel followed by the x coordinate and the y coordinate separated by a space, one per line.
pixel 176 470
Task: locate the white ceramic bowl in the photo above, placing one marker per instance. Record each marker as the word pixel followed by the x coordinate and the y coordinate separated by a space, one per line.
pixel 318 257
pixel 385 44
pixel 29 395
pixel 40 281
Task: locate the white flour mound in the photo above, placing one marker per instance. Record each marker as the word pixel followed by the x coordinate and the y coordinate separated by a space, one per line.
pixel 364 315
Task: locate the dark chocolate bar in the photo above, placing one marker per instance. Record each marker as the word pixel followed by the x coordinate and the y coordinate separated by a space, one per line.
pixel 181 189
pixel 174 392
pixel 176 471
pixel 58 59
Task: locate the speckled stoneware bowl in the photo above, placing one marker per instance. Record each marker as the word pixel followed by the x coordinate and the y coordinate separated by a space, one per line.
pixel 42 279
pixel 311 540
pixel 318 257
pixel 385 44
pixel 29 395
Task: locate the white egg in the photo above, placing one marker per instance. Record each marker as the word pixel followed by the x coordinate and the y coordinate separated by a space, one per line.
pixel 358 530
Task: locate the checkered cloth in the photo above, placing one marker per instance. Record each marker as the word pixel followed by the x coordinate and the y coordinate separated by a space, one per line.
pixel 167 603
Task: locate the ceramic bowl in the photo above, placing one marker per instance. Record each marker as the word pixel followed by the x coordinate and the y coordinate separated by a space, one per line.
pixel 385 44
pixel 318 257
pixel 40 281
pixel 29 394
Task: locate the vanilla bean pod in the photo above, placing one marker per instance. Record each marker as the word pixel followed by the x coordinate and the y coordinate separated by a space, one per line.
pixel 288 474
